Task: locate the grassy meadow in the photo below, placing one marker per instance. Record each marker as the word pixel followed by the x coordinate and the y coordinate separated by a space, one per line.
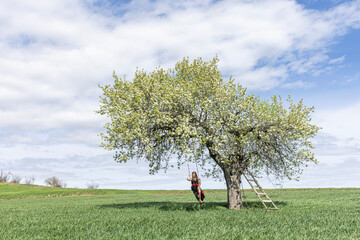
pixel 34 212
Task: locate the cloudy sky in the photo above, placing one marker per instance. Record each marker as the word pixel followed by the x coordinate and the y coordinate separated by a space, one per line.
pixel 55 53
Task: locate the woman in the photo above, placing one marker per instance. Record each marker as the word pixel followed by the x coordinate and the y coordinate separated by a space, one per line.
pixel 195 187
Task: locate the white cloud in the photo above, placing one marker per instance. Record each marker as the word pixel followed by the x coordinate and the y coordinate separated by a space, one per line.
pixel 56 53
pixel 339 139
pixel 77 165
pixel 337 60
pixel 343 174
pixel 343 123
pixel 352 78
pixel 299 84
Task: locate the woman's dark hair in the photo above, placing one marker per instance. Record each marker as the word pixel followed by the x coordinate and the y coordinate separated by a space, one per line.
pixel 197 179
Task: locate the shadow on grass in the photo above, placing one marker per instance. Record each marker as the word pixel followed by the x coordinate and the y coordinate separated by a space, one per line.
pixel 257 204
pixel 186 206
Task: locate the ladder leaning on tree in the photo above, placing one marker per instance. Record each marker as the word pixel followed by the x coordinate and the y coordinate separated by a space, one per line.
pixel 259 191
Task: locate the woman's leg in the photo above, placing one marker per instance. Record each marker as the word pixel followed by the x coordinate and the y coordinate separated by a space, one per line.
pixel 196 193
pixel 202 196
pixel 199 192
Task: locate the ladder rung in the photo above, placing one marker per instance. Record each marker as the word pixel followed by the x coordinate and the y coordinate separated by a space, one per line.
pixel 256 187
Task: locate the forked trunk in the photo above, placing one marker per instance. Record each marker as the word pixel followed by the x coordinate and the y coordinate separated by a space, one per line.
pixel 233 181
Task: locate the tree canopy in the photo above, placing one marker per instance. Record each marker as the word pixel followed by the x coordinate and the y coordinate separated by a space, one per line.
pixel 191 112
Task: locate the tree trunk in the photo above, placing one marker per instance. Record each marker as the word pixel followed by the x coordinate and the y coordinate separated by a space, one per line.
pixel 233 180
pixel 232 173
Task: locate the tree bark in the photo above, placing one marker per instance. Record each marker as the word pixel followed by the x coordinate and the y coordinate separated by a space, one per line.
pixel 232 173
pixel 232 176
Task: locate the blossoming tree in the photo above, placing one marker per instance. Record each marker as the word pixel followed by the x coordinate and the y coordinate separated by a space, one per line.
pixel 191 113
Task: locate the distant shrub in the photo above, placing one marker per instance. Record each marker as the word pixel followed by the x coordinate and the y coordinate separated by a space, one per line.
pixel 29 180
pixel 55 182
pixel 92 186
pixel 4 177
pixel 15 178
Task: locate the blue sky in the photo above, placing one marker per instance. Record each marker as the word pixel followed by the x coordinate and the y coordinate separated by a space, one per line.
pixel 55 53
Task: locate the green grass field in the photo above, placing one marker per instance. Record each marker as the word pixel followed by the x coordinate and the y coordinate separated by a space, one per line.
pixel 30 212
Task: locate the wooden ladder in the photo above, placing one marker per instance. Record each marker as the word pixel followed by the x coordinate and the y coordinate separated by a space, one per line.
pixel 259 191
